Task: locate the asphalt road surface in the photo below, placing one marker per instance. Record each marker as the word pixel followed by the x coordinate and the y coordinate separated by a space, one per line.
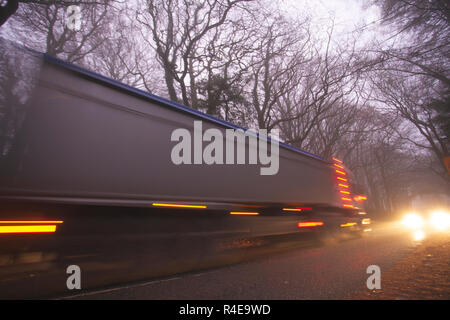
pixel 335 271
pixel 113 246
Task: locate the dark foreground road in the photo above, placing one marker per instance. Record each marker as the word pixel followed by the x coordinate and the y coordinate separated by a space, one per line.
pixel 116 245
pixel 336 271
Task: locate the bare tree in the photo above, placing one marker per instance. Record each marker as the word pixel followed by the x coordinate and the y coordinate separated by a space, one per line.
pixel 424 27
pixel 42 26
pixel 323 103
pixel 282 51
pixel 410 98
pixel 174 28
pixel 411 76
pixel 221 72
pixel 123 58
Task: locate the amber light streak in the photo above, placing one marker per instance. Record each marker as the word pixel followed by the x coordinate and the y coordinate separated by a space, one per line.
pixel 28 222
pixel 346 194
pixel 244 213
pixel 310 224
pixel 33 226
pixel 171 205
pixel 28 229
pixel 292 209
pixel 348 224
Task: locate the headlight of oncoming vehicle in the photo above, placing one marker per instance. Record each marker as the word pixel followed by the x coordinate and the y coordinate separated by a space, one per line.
pixel 440 220
pixel 412 221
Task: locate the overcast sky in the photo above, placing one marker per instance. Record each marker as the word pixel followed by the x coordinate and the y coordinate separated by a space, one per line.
pixel 349 15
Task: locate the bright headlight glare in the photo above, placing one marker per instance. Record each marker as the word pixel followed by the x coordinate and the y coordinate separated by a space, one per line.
pixel 440 220
pixel 418 235
pixel 412 221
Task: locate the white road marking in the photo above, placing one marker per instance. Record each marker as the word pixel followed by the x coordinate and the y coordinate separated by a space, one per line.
pixel 118 288
pixel 134 286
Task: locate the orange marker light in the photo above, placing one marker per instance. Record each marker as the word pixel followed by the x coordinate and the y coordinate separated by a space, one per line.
pixel 171 205
pixel 345 192
pixel 343 185
pixel 360 198
pixel 336 165
pixel 337 160
pixel 28 222
pixel 348 224
pixel 245 213
pixel 348 205
pixel 346 199
pixel 32 226
pixel 341 172
pixel 343 179
pixel 310 224
pixel 28 229
pixel 292 209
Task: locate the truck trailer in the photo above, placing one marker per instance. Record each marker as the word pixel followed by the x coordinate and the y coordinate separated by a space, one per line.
pixel 70 135
pixel 91 164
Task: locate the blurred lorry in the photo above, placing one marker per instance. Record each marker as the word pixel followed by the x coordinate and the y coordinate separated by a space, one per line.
pixel 69 136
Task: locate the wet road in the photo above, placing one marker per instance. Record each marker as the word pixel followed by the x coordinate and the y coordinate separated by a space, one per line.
pixel 113 246
pixel 336 271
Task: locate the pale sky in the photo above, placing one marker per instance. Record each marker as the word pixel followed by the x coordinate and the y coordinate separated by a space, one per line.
pixel 349 15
